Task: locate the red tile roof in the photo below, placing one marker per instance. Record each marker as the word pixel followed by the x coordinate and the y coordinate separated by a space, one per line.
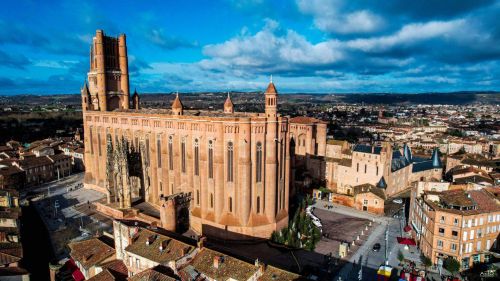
pixel 305 120
pixel 271 89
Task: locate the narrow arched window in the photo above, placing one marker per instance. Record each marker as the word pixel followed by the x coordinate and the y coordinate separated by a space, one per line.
pixel 377 170
pixel 230 204
pixel 183 155
pixel 258 204
pixel 365 168
pixel 170 153
pixel 282 159
pixel 147 150
pixel 91 141
pixel 357 167
pixel 211 200
pixel 229 161
pixel 197 197
pixel 99 142
pixel 258 166
pixel 196 158
pixel 158 150
pixel 210 159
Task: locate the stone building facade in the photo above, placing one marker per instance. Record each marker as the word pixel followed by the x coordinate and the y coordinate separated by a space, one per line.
pixel 464 225
pixel 383 166
pixel 234 165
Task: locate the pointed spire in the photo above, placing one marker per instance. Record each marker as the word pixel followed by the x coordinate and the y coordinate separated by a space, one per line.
pixel 436 161
pixel 85 89
pixel 271 89
pixel 407 153
pixel 228 105
pixel 381 183
pixel 177 106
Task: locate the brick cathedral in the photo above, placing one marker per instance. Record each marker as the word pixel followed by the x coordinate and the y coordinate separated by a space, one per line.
pixel 232 168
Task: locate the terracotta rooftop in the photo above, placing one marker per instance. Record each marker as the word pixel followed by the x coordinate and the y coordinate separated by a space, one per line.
pixel 474 179
pixel 479 201
pixel 369 188
pixel 10 253
pixel 228 268
pixel 157 273
pixel 271 89
pixel 34 162
pixel 272 273
pixel 305 120
pixel 90 252
pixel 177 104
pixel 173 249
pixel 6 170
pixel 114 270
pixel 5 148
pixel 336 142
pixel 60 156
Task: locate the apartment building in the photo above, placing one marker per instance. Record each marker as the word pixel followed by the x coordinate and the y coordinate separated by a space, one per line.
pixel 461 224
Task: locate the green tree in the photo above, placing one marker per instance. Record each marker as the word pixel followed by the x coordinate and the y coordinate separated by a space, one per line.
pixel 452 265
pixel 426 262
pixel 401 256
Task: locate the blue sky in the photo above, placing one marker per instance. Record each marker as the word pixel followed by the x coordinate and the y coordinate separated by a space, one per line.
pixel 327 46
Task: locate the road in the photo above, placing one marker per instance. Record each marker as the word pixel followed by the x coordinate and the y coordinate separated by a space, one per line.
pixel 365 259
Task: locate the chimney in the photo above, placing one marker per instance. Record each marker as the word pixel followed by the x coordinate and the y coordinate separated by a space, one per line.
pixel 150 239
pixel 201 242
pixel 163 245
pixel 184 251
pixel 218 260
pixel 262 268
pixel 153 225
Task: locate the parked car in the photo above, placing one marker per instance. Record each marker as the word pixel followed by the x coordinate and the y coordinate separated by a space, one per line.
pixel 398 201
pixel 376 247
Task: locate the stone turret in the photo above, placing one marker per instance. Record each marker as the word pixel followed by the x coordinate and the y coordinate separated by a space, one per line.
pixel 86 98
pixel 167 213
pixel 228 105
pixel 271 161
pixel 135 100
pixel 177 107
pixel 271 96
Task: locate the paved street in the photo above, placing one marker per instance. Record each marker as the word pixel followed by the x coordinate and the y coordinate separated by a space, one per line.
pixel 66 209
pixel 369 260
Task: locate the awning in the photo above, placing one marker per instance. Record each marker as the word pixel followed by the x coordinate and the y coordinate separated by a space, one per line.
pixel 406 241
pixel 407 228
pixel 75 271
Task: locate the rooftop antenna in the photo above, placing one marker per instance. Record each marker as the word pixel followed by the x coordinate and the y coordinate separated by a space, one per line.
pixel 271 78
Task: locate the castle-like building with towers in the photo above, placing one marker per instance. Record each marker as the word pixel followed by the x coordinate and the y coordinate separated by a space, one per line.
pixel 233 171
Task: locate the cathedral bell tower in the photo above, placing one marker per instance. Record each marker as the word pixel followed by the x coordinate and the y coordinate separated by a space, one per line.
pixel 108 82
pixel 271 160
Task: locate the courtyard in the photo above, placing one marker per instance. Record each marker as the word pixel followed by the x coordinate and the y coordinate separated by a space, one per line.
pixel 338 228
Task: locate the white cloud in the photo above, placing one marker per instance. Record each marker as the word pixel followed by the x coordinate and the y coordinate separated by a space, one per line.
pixel 271 49
pixel 408 35
pixel 329 17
